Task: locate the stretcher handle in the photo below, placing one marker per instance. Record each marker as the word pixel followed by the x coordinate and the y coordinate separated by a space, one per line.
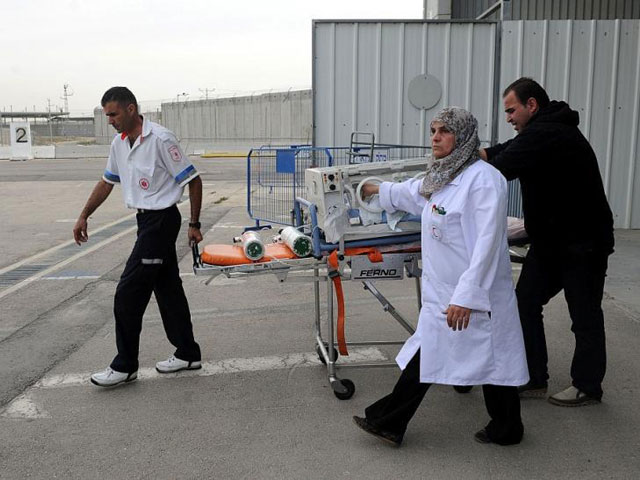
pixel 197 262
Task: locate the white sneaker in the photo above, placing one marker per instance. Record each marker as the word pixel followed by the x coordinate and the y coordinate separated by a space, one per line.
pixel 174 364
pixel 111 378
pixel 572 397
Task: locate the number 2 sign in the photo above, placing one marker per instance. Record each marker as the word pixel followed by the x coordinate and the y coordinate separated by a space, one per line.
pixel 20 134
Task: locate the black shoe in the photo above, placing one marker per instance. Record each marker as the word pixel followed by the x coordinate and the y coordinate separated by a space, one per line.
pixel 532 390
pixel 364 424
pixel 481 436
pixel 462 388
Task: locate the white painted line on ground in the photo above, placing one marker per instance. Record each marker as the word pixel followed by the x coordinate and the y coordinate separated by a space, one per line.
pixel 62 245
pixel 73 258
pixel 226 225
pixel 230 365
pixel 26 408
pixel 67 220
pixel 69 242
pixel 73 277
pixel 82 253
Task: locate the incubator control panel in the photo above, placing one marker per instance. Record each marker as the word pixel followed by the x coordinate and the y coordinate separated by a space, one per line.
pixel 337 189
pixel 331 181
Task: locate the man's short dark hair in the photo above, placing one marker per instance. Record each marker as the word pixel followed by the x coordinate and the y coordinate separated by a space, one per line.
pixel 122 95
pixel 525 88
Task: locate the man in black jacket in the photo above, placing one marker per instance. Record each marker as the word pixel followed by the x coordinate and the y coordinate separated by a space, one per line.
pixel 570 225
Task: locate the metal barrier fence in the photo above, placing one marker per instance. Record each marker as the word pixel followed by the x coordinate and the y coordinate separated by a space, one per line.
pixel 275 175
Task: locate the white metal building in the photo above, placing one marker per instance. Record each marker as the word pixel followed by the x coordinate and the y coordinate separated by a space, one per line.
pixel 365 75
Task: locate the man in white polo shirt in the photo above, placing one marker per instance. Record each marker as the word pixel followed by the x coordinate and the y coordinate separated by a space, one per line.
pixel 146 160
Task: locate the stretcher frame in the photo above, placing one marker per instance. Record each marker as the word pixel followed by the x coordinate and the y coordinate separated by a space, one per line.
pixel 316 270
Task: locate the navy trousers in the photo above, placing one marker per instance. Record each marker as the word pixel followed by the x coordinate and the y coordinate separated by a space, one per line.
pixel 393 412
pixel 152 267
pixel 581 274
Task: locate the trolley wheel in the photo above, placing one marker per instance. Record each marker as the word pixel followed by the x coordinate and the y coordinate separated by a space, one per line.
pixel 462 388
pixel 351 388
pixel 321 357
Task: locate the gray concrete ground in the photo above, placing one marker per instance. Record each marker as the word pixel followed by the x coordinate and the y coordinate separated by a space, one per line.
pixel 261 407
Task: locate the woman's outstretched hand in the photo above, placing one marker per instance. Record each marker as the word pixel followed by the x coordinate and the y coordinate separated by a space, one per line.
pixel 369 189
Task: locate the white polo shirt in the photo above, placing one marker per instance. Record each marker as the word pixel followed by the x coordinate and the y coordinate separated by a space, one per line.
pixel 152 172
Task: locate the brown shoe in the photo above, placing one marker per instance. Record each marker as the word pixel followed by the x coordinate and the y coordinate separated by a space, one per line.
pixel 572 397
pixel 392 438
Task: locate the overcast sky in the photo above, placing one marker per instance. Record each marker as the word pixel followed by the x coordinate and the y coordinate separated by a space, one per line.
pixel 160 48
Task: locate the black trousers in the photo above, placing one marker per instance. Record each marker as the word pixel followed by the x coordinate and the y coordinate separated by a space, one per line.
pixel 581 274
pixel 393 412
pixel 152 267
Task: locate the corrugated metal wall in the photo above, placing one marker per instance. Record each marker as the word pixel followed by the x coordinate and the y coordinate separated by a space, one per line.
pixel 574 9
pixel 464 9
pixel 362 71
pixel 550 9
pixel 595 67
pixel 280 118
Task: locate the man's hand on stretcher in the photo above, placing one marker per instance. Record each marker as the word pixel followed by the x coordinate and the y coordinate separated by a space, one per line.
pixel 457 317
pixel 194 235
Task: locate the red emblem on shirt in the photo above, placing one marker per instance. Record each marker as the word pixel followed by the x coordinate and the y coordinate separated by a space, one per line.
pixel 174 151
pixel 144 183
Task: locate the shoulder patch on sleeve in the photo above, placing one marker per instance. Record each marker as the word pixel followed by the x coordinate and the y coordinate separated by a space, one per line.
pixel 174 151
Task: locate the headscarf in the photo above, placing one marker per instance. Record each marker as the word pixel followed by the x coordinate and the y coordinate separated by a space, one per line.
pixel 441 171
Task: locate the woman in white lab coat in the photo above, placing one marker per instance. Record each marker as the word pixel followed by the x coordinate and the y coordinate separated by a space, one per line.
pixel 468 331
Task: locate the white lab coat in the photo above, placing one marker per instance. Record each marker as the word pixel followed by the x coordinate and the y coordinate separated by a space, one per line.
pixel 465 261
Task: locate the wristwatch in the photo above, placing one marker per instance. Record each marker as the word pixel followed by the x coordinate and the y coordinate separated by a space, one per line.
pixel 195 225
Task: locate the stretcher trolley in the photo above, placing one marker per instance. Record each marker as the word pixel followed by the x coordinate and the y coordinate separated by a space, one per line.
pixel 351 239
pixel 279 191
pixel 364 262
